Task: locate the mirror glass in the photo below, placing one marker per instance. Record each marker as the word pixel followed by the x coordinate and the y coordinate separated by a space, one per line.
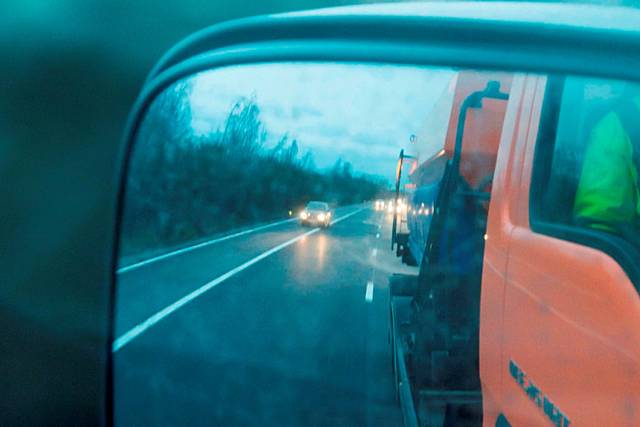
pixel 280 231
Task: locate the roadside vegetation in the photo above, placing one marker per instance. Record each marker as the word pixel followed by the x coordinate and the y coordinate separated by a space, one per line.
pixel 183 187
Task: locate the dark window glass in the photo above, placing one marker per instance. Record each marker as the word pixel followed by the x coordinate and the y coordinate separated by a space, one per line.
pixel 586 186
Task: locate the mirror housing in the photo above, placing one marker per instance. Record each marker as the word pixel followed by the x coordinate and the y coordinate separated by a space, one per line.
pixel 573 39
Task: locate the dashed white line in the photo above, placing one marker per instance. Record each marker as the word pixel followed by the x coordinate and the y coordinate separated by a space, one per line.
pixel 377 235
pixel 374 252
pixel 137 330
pixel 368 295
pixel 199 245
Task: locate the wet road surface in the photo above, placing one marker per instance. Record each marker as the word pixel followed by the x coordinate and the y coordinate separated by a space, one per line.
pixel 284 326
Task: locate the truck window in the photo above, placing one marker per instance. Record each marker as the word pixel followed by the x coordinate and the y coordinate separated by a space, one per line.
pixel 585 186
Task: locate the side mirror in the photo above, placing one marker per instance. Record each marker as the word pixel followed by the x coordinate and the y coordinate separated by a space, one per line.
pixel 247 224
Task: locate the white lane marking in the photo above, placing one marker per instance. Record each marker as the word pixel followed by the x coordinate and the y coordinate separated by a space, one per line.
pixel 134 332
pixel 374 252
pixel 368 296
pixel 377 235
pixel 200 245
pixel 137 330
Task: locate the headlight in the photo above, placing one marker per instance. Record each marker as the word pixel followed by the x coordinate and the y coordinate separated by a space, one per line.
pixel 303 215
pixel 321 217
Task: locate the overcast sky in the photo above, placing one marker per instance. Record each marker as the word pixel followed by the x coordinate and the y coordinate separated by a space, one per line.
pixel 362 113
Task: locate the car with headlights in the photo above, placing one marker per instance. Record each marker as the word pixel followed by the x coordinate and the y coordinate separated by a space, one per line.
pixel 316 213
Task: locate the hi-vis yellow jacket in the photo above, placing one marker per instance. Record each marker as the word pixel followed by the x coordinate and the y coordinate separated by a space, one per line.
pixel 608 194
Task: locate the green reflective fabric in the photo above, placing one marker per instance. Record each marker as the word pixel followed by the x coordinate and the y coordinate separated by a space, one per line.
pixel 608 193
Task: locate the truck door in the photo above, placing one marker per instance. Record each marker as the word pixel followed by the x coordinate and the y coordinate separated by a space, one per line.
pixel 571 343
pixel 500 224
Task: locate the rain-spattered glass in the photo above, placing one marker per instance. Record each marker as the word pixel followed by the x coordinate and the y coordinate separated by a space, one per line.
pixel 326 244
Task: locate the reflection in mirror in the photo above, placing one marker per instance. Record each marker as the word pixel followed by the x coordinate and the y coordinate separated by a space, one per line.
pixel 255 252
pixel 245 145
pixel 303 243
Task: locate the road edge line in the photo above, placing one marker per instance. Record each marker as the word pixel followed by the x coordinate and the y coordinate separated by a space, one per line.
pixel 151 260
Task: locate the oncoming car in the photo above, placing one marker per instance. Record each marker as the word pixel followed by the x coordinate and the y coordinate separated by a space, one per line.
pixel 316 213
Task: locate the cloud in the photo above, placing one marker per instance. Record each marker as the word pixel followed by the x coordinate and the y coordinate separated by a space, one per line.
pixel 363 114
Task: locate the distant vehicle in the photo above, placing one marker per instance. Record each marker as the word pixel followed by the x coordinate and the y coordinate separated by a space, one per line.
pixel 391 206
pixel 401 207
pixel 316 213
pixel 379 205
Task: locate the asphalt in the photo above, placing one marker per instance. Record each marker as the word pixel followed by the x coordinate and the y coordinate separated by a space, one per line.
pixel 292 339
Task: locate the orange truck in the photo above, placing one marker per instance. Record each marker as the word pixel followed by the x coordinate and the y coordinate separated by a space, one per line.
pixel 528 317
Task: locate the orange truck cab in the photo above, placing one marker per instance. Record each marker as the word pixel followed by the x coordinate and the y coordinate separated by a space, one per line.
pixel 519 307
pixel 480 136
pixel 559 335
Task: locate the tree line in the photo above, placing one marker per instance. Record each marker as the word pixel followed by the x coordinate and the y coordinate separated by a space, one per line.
pixel 183 186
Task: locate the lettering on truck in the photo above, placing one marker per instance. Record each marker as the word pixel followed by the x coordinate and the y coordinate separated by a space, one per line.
pixel 536 395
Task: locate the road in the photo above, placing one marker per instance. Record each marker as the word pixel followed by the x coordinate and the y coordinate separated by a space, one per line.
pixel 282 326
